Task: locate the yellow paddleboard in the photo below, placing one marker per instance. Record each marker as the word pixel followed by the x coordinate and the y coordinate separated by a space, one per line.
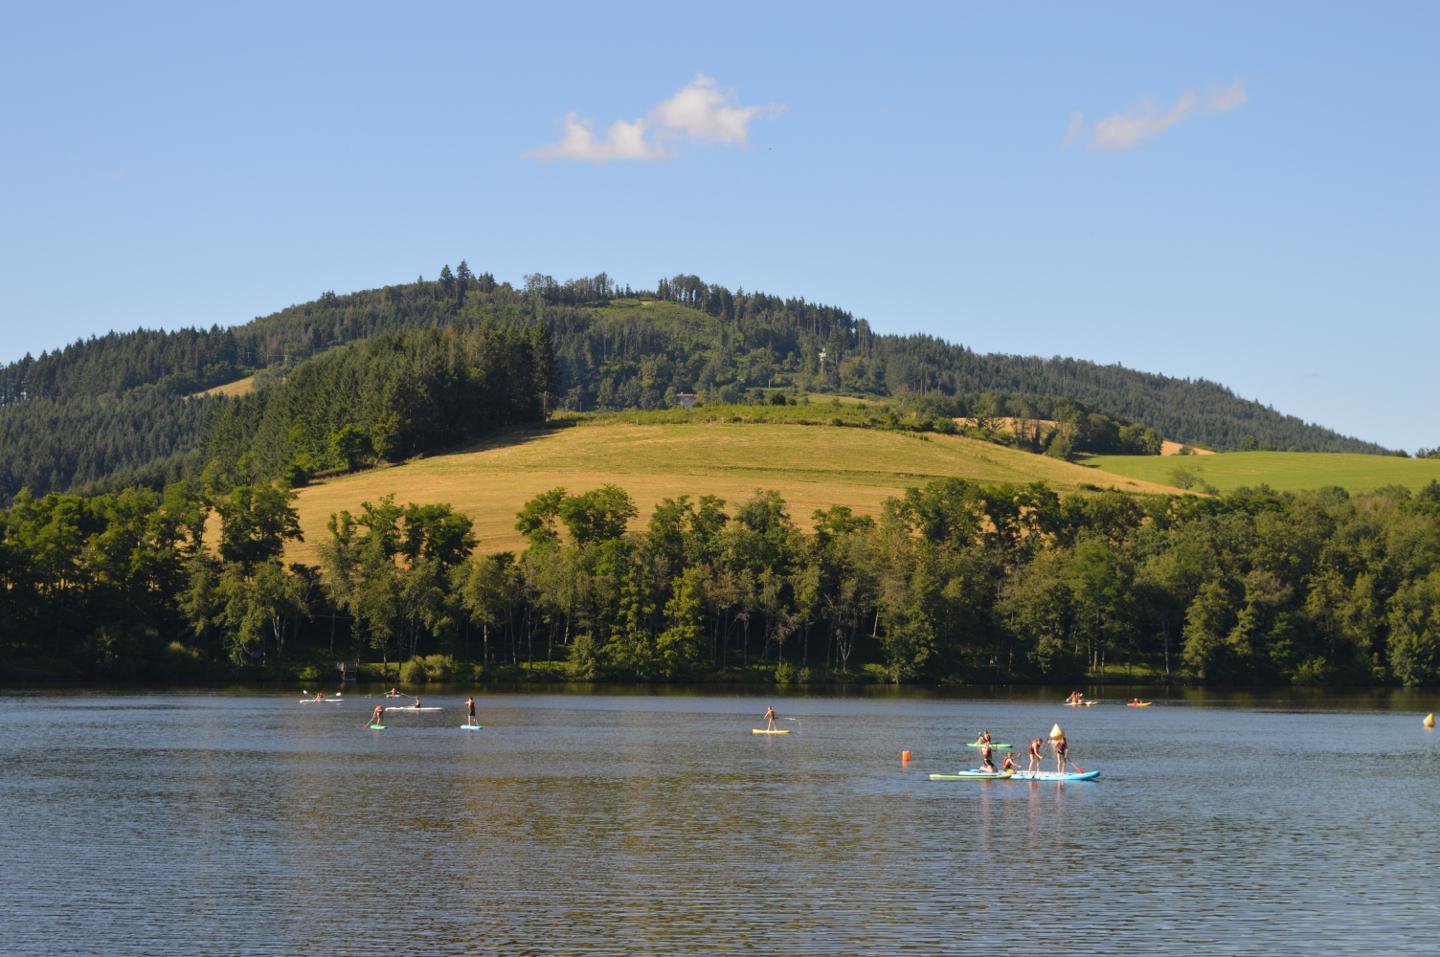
pixel 766 731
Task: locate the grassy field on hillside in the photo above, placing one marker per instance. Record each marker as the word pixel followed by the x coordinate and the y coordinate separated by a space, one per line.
pixel 1284 471
pixel 812 466
pixel 237 388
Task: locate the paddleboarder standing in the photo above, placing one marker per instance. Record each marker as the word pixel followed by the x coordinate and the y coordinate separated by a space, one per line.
pixel 379 716
pixel 770 717
pixel 1062 753
pixel 1035 757
pixel 470 709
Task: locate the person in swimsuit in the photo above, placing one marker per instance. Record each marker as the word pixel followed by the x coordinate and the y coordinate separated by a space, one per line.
pixel 1062 753
pixel 319 696
pixel 1009 764
pixel 987 763
pixel 1035 756
pixel 379 716
pixel 417 702
pixel 984 737
pixel 470 709
pixel 392 693
pixel 770 718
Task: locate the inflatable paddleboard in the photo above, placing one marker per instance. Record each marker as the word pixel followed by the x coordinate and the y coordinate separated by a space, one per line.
pixel 768 731
pixel 377 727
pixel 472 727
pixel 411 707
pixel 972 776
pixel 1056 775
pixel 998 747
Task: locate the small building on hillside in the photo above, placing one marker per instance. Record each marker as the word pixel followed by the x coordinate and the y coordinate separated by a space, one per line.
pixel 685 400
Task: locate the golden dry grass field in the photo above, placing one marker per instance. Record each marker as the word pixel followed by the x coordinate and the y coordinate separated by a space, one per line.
pixel 233 389
pixel 813 466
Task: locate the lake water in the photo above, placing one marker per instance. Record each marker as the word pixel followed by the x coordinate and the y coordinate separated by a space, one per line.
pixel 243 822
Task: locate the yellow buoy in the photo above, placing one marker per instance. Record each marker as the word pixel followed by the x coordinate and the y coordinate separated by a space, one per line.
pixel 1429 721
pixel 1056 733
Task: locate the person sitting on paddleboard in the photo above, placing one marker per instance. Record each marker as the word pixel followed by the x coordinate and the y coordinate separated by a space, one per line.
pixel 770 717
pixel 1035 756
pixel 1009 764
pixel 470 708
pixel 1062 752
pixel 986 762
pixel 417 702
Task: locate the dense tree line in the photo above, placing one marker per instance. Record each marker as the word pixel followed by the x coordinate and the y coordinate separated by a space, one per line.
pixel 614 349
pixel 389 397
pixel 953 581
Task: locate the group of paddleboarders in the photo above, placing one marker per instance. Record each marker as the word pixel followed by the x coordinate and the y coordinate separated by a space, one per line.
pixel 377 717
pixel 987 758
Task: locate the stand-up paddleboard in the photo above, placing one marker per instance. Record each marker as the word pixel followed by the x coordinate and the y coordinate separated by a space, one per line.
pixel 972 776
pixel 770 731
pixel 377 727
pixel 471 727
pixel 413 708
pixel 997 747
pixel 321 700
pixel 1056 775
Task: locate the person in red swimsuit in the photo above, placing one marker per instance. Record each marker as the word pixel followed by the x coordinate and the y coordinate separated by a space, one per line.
pixel 1035 757
pixel 987 763
pixel 1062 752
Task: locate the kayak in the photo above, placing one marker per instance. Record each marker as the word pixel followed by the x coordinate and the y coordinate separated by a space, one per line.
pixel 998 747
pixel 377 727
pixel 767 731
pixel 972 776
pixel 1056 775
pixel 1082 704
pixel 1138 704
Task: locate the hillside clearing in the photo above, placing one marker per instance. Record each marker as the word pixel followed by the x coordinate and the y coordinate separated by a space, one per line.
pixel 233 389
pixel 1282 471
pixel 814 467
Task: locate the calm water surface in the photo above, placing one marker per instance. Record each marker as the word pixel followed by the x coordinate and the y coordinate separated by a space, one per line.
pixel 247 823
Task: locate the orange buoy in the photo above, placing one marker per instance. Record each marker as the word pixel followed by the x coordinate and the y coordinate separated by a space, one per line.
pixel 904 757
pixel 1429 721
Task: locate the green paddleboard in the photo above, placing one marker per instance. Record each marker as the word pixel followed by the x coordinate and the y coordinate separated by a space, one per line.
pixel 377 727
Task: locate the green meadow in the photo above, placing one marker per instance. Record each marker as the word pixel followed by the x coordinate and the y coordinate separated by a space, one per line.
pixel 1283 471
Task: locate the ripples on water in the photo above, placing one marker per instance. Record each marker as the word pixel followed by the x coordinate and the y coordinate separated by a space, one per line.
pixel 237 824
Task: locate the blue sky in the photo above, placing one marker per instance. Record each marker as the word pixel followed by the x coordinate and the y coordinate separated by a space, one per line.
pixel 1246 193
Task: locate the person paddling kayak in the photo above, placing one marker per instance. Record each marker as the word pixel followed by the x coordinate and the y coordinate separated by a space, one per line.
pixel 1035 756
pixel 392 693
pixel 470 709
pixel 770 717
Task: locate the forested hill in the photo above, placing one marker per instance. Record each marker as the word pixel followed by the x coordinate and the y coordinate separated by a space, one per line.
pixel 113 409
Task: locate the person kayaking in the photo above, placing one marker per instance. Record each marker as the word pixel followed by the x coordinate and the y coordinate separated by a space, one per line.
pixel 1076 697
pixel 1062 753
pixel 987 762
pixel 1035 757
pixel 319 696
pixel 770 718
pixel 378 717
pixel 470 709
pixel 393 693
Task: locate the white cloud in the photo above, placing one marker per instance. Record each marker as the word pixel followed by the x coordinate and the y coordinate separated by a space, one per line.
pixel 1227 99
pixel 699 111
pixel 622 141
pixel 1127 130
